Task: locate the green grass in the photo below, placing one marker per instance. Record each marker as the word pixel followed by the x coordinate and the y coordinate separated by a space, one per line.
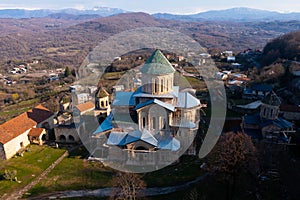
pixel 74 173
pixel 27 103
pixel 112 75
pixel 188 82
pixel 14 110
pixel 28 167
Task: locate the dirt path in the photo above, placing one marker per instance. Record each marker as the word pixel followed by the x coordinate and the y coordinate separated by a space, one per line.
pixel 18 194
pixel 106 192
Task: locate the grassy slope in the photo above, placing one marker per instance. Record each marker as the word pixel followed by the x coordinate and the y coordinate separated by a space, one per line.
pixel 28 167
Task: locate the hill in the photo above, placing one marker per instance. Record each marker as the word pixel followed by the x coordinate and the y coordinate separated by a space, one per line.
pixel 285 47
pixel 233 14
pixel 67 41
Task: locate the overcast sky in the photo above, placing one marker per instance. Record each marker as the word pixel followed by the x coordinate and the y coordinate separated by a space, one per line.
pixel 154 6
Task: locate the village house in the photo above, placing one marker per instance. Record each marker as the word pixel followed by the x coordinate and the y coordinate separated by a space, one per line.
pixel 257 91
pixel 205 58
pixel 80 98
pixel 18 132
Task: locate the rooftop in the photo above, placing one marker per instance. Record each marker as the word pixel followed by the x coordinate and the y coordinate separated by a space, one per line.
pixel 102 93
pixel 262 87
pixel 36 132
pixel 123 99
pixel 157 64
pixel 22 123
pixel 85 106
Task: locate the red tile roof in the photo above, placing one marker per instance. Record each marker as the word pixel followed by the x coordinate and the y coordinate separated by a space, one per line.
pixel 39 113
pixel 36 132
pixel 18 125
pixel 85 106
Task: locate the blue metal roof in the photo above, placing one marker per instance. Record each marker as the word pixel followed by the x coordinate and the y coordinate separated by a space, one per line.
pixel 252 119
pixel 262 87
pixel 186 100
pixel 131 137
pixel 124 138
pixel 115 138
pixel 282 123
pixel 169 144
pixel 248 91
pixel 158 102
pixel 105 125
pixel 146 103
pixel 149 138
pixel 256 119
pixel 123 99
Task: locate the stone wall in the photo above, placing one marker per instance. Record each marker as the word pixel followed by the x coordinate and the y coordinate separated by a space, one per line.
pixel 66 134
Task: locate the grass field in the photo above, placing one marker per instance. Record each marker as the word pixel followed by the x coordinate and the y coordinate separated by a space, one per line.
pixel 28 167
pixel 75 173
pixel 14 110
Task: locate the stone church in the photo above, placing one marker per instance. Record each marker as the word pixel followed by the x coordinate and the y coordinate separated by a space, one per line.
pixel 268 123
pixel 157 117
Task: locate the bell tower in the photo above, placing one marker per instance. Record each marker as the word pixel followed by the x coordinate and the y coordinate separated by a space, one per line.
pixel 270 107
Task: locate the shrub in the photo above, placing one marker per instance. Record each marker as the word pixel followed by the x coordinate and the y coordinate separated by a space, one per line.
pixel 10 175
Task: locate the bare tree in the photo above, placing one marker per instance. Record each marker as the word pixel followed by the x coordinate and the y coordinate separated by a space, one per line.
pixel 127 186
pixel 233 155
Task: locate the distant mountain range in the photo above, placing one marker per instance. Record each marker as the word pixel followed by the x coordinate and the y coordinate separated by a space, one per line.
pixel 22 13
pixel 233 14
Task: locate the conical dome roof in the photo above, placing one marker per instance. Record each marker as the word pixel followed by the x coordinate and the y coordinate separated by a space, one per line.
pixel 157 64
pixel 102 93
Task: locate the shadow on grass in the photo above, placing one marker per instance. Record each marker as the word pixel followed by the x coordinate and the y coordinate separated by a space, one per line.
pixel 80 152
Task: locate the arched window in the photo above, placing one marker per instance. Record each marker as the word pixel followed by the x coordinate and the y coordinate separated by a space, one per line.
pixel 155 86
pixel 153 123
pixel 271 115
pixel 102 104
pixel 144 122
pixel 106 103
pixel 167 84
pixel 62 138
pixel 162 85
pixel 43 137
pixel 71 138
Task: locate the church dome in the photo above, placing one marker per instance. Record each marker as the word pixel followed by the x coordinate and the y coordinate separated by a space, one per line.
pixel 157 64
